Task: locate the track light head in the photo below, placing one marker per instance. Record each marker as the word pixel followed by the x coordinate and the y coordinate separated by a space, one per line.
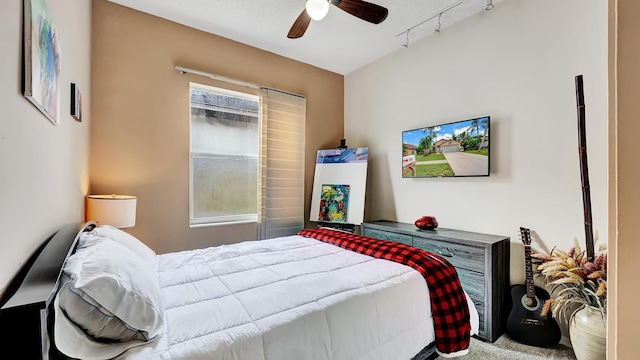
pixel 489 5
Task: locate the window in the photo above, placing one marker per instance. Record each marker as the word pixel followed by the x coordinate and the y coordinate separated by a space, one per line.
pixel 247 159
pixel 225 152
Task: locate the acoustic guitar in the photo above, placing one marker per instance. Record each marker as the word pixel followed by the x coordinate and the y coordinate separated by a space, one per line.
pixel 525 323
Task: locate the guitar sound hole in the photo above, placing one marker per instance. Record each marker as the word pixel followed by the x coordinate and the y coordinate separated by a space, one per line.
pixel 530 304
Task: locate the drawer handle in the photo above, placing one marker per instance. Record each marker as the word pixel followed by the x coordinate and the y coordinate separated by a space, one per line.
pixel 445 252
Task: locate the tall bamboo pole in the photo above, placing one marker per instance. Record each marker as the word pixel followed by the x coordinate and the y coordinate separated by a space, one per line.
pixel 584 171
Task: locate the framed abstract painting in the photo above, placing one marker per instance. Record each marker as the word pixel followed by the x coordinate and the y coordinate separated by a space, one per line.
pixel 41 59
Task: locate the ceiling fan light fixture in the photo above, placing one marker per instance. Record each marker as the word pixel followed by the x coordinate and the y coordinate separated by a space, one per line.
pixel 317 9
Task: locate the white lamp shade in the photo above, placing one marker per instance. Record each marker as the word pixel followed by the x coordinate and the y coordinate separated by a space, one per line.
pixel 115 210
pixel 317 9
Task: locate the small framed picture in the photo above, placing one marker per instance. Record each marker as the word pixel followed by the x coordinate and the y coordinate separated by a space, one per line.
pixel 76 102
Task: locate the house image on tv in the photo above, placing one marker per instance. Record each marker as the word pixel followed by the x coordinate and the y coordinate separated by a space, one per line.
pixel 447 145
pixel 410 150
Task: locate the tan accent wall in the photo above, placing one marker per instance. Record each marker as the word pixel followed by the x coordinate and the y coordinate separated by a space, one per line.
pixel 624 213
pixel 140 116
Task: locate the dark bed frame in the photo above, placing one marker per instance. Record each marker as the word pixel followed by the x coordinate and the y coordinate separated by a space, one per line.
pixel 26 316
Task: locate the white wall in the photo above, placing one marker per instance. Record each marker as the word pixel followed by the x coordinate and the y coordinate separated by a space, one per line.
pixel 516 63
pixel 43 168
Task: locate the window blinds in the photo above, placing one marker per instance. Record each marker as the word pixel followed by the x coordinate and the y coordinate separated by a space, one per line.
pixel 281 200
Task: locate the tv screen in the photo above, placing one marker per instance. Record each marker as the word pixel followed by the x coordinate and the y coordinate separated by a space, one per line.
pixel 459 148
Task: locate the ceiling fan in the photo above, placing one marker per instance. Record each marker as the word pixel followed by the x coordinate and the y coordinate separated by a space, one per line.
pixel 317 9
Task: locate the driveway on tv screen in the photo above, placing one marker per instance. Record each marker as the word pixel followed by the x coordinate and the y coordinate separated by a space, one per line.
pixel 465 164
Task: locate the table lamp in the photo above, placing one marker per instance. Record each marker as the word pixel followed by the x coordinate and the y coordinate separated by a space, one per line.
pixel 115 210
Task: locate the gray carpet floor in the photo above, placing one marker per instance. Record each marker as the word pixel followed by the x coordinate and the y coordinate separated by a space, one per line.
pixel 506 349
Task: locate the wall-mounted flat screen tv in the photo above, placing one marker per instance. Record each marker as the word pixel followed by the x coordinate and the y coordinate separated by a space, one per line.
pixel 459 148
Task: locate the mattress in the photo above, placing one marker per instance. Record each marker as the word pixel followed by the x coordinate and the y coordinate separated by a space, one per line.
pixel 289 298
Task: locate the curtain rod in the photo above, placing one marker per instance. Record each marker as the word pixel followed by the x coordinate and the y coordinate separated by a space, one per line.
pixel 185 70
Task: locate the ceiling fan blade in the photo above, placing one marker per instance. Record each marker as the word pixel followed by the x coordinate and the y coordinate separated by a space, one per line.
pixel 299 26
pixel 364 10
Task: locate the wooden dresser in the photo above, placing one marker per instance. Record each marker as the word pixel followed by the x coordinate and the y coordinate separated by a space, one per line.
pixel 481 260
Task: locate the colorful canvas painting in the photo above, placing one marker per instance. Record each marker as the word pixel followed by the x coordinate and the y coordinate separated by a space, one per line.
pixel 41 59
pixel 334 202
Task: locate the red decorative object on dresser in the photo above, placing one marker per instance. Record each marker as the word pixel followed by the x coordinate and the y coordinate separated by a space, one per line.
pixel 427 223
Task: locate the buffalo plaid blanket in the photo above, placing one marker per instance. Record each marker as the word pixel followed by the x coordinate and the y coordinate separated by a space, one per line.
pixel 448 300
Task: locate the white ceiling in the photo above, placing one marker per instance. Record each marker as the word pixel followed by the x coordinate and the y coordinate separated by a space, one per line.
pixel 340 42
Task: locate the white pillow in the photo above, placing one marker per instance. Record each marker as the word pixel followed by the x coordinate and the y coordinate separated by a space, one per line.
pixel 73 342
pixel 129 241
pixel 111 294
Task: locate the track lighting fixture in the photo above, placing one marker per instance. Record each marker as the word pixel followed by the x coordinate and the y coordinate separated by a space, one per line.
pixel 438 15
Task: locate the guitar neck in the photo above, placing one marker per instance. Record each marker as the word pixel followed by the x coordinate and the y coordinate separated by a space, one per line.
pixel 531 290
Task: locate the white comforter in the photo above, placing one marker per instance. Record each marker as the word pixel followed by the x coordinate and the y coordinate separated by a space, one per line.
pixel 289 298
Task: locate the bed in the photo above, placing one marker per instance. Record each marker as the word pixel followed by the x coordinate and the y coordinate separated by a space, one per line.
pixel 96 292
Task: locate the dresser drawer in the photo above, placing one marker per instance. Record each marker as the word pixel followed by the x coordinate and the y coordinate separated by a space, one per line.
pixel 384 235
pixel 473 283
pixel 465 257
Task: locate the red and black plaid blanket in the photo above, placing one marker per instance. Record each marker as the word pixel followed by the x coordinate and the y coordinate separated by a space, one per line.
pixel 448 301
